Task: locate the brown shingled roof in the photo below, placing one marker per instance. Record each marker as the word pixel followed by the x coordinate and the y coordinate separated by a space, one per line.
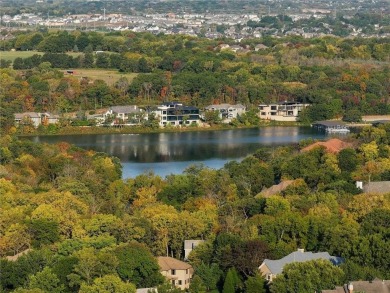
pixel 170 263
pixel 333 145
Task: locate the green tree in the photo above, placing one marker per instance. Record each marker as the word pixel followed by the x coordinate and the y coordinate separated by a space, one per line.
pixel 43 231
pixel 255 284
pixel 45 280
pixel 307 277
pixel 232 282
pixel 197 285
pixel 209 274
pixel 137 265
pixel 108 284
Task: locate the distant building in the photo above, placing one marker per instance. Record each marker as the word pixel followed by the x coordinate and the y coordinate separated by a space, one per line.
pixel 332 126
pixel 284 111
pixel 177 272
pixel 271 268
pixel 176 114
pixel 227 112
pixel 130 114
pixel 189 245
pixel 35 118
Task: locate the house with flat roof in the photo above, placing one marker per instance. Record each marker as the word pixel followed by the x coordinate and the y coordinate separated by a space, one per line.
pixel 271 268
pixel 283 111
pixel 227 112
pixel 332 126
pixel 178 273
pixel 176 114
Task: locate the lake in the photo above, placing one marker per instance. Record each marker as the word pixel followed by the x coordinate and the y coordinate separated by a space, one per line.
pixel 171 153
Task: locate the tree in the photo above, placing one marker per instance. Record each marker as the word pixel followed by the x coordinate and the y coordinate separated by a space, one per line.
pixel 137 265
pixel 255 284
pixel 232 282
pixel 45 280
pixel 212 117
pixel 347 160
pixel 92 264
pixel 108 284
pixel 209 275
pixel 197 285
pixel 352 115
pixel 309 276
pixel 43 232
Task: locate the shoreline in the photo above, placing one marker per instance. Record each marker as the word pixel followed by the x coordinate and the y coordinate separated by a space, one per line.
pixel 91 130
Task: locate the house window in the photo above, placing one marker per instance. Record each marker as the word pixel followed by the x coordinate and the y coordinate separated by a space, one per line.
pixel 173 282
pixel 164 118
pixel 273 107
pixel 187 271
pixel 164 112
pixel 180 282
pixel 263 113
pixel 173 272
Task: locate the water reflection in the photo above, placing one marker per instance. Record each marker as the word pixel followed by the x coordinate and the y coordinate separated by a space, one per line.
pixel 184 146
pixel 175 151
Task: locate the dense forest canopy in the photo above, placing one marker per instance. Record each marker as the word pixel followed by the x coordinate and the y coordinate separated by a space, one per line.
pixel 88 228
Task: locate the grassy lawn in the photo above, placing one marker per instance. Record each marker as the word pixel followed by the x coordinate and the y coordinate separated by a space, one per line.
pixel 109 76
pixel 12 55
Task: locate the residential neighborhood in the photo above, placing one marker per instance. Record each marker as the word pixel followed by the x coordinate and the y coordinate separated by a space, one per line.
pixel 174 114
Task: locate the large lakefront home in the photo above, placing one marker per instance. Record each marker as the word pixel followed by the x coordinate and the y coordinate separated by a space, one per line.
pixel 177 272
pixel 130 114
pixel 227 112
pixel 271 268
pixel 283 111
pixel 176 114
pixel 35 119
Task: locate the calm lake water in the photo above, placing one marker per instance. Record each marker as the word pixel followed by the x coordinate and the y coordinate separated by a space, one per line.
pixel 171 153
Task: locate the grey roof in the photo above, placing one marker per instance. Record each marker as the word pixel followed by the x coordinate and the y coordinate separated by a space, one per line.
pixel 225 106
pixel 276 266
pixel 27 114
pixel 377 187
pixel 125 109
pixel 375 286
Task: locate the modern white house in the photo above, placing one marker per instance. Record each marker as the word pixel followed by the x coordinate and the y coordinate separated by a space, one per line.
pixel 227 112
pixel 284 111
pixel 176 114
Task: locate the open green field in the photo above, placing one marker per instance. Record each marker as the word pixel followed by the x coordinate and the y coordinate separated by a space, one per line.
pixel 109 76
pixel 12 55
